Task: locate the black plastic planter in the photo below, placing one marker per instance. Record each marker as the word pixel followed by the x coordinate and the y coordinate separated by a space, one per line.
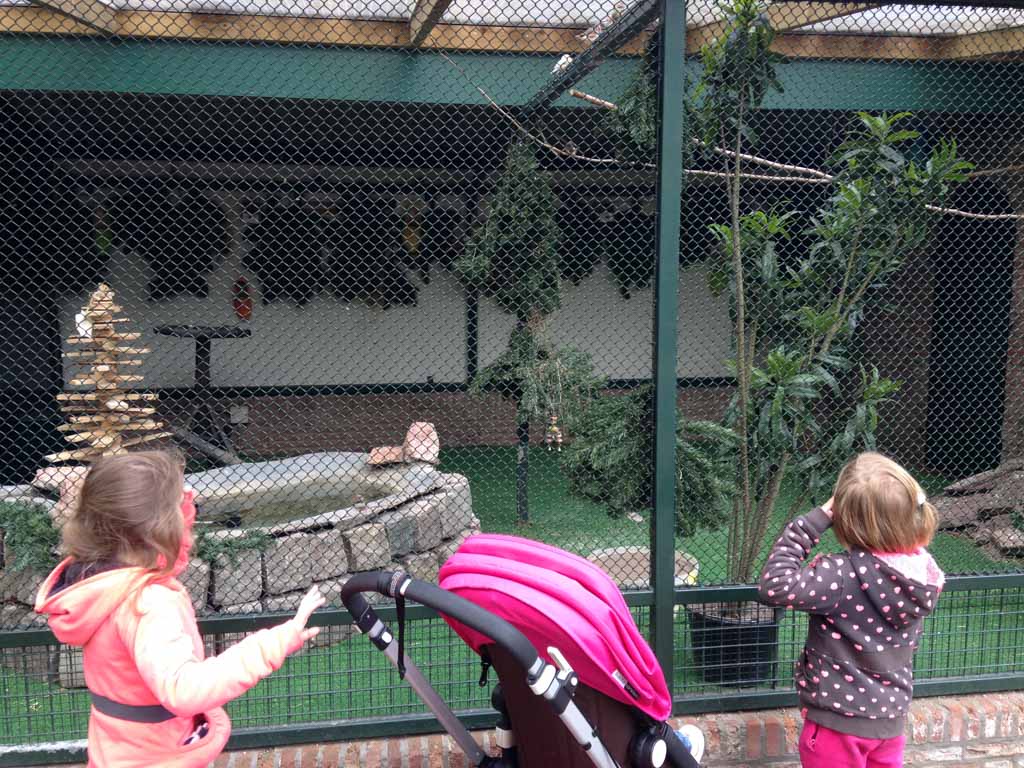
pixel 736 649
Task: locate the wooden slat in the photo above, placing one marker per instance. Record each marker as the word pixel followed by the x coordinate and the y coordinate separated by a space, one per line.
pixel 481 38
pixel 425 16
pixel 783 16
pixel 283 29
pixel 844 47
pixel 91 13
pixel 104 395
pixel 997 42
pixel 109 427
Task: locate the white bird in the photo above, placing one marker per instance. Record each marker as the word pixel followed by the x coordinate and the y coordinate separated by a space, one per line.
pixel 562 65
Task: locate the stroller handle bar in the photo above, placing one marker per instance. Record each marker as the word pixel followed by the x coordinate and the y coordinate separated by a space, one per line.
pixel 399 584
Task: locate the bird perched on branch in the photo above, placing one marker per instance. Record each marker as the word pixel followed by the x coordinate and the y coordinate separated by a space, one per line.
pixel 562 65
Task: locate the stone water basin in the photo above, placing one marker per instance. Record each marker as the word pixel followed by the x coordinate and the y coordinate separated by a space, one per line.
pixel 326 515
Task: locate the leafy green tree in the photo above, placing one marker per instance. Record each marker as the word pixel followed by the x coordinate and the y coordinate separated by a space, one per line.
pixel 797 410
pixel 804 400
pixel 513 259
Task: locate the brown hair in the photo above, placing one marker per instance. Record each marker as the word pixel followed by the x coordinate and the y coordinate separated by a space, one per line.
pixel 129 512
pixel 879 507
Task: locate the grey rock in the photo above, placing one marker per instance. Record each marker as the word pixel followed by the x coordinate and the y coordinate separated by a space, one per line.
pixel 1009 540
pixel 457 501
pixel 415 526
pixel 367 547
pixel 20 586
pixel 330 559
pixel 289 563
pixel 238 582
pixel 242 608
pixel 448 548
pixel 196 579
pixel 290 602
pixel 423 567
pixel 629 567
pixel 20 617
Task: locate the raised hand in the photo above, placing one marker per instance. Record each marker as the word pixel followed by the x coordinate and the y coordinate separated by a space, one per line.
pixel 310 602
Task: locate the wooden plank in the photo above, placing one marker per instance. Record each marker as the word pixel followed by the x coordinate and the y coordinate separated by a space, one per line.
pixel 107 342
pixel 482 38
pixel 91 13
pixel 109 382
pixel 283 29
pixel 425 16
pixel 120 414
pixel 145 439
pixel 103 395
pixel 92 430
pixel 996 42
pixel 783 16
pixel 844 47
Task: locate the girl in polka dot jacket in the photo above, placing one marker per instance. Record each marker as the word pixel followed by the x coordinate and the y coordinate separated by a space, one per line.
pixel 866 605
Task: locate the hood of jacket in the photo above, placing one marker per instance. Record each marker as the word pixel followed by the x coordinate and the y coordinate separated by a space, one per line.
pixel 78 600
pixel 888 586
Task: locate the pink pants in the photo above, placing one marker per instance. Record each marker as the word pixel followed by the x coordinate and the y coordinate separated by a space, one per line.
pixel 821 746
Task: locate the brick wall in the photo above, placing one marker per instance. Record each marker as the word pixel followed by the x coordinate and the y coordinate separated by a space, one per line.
pixel 303 424
pixel 986 731
pixel 977 731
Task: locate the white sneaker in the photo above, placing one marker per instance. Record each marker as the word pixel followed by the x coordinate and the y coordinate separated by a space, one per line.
pixel 693 738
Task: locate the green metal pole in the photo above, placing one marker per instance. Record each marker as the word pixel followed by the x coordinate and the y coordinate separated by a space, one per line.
pixel 666 304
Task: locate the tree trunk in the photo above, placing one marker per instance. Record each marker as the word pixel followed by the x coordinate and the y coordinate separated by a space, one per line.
pixel 523 470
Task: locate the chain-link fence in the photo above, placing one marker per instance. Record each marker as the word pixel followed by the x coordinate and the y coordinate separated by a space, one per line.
pixel 387 274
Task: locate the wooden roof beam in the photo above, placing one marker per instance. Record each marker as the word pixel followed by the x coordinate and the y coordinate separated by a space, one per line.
pixel 92 13
pixel 784 17
pixel 995 42
pixel 425 16
pixel 553 41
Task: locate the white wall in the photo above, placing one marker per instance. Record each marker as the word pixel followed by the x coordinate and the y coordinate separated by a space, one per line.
pixel 330 342
pixel 325 342
pixel 618 333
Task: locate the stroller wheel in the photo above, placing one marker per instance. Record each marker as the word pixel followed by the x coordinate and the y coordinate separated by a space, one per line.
pixel 648 750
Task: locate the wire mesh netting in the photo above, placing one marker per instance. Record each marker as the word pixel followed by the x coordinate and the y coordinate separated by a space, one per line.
pixel 384 273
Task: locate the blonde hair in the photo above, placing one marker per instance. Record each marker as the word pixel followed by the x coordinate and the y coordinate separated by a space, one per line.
pixel 129 512
pixel 879 507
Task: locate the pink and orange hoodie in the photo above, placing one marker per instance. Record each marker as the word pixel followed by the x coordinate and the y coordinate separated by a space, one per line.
pixel 148 652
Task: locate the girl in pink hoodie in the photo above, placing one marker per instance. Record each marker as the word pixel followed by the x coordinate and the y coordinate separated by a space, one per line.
pixel 155 699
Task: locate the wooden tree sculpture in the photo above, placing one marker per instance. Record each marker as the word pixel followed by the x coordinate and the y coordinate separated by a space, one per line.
pixel 105 419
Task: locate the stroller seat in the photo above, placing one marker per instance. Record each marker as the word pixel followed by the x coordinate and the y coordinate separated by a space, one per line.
pixel 541 740
pixel 578 684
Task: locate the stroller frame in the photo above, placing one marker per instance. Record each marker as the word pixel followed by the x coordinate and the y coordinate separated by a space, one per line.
pixel 555 684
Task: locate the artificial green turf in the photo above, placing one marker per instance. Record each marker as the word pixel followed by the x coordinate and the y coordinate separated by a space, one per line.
pixel 970 633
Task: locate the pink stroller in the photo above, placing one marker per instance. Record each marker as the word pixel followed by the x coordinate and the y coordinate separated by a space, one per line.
pixel 577 684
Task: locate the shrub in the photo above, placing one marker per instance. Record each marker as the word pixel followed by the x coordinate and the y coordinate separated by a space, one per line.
pixel 609 461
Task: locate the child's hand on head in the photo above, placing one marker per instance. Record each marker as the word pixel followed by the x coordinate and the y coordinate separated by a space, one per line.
pixel 310 602
pixel 827 507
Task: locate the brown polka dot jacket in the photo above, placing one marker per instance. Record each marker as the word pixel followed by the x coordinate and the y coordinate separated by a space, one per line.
pixel 855 674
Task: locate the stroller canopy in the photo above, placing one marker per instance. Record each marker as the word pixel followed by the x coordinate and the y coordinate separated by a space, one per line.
pixel 558 599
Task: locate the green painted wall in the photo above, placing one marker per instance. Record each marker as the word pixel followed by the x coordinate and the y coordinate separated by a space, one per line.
pixel 306 72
